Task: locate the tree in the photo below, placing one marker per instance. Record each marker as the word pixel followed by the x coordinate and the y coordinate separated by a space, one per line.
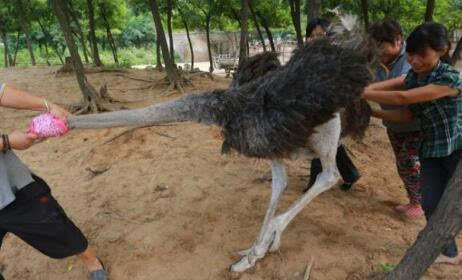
pixel 314 9
pixel 210 9
pixel 186 15
pixel 365 9
pixel 22 19
pixel 295 14
pixel 104 10
pixel 244 31
pixel 91 99
pixel 172 74
pixel 429 11
pixel 442 227
pixel 5 25
pixel 257 25
pixel 92 34
pixel 264 22
pixel 78 32
pixel 170 5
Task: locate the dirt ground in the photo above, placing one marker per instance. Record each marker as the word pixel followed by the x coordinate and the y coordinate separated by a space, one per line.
pixel 171 207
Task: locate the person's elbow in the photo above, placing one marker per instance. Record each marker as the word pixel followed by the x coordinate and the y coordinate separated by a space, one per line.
pixel 402 98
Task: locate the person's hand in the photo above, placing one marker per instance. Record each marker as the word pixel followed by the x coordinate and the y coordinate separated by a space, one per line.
pixel 59 111
pixel 365 92
pixel 20 140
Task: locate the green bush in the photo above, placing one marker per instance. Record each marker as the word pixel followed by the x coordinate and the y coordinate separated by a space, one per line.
pixel 127 57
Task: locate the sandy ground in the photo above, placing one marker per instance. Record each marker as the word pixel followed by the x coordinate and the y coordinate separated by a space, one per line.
pixel 171 207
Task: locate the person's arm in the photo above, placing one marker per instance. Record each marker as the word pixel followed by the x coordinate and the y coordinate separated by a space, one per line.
pixel 392 84
pixel 19 99
pixel 400 115
pixel 415 95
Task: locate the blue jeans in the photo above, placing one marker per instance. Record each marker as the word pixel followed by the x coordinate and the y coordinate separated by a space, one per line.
pixel 435 174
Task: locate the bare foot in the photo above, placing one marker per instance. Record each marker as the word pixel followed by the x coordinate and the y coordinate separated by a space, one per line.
pixel 447 260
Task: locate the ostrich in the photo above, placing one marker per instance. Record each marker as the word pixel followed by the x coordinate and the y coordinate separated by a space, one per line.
pixel 294 109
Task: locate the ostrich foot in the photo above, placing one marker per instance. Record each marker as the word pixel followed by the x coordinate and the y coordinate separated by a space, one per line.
pixel 271 240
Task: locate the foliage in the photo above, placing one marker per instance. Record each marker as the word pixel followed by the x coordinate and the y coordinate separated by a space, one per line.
pixel 132 26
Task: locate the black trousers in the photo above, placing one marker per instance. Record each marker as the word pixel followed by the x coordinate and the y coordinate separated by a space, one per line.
pixel 38 219
pixel 347 169
pixel 435 174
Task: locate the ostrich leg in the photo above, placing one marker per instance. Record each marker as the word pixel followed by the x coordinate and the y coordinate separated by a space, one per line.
pixel 324 143
pixel 263 241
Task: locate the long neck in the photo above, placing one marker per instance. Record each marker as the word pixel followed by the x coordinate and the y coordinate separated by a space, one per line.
pixel 203 108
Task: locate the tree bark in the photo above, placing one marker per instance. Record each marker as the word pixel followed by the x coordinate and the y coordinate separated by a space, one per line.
pixel 80 34
pixel 185 23
pixel 16 49
pixel 90 95
pixel 365 9
pixel 209 44
pixel 244 31
pixel 24 27
pixel 5 43
pixel 456 55
pixel 429 11
pixel 442 227
pixel 171 70
pixel 49 38
pixel 94 43
pixel 314 9
pixel 265 24
pixel 158 56
pixel 169 29
pixel 295 14
pixel 257 26
pixel 109 33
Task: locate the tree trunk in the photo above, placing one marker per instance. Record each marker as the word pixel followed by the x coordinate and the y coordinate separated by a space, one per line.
pixel 46 53
pixel 365 9
pixel 16 49
pixel 23 22
pixel 456 55
pixel 314 9
pixel 169 29
pixel 109 33
pixel 265 24
pixel 5 43
pixel 186 27
pixel 244 32
pixel 171 70
pixel 442 227
pixel 209 44
pixel 429 11
pixel 93 42
pixel 80 34
pixel 257 26
pixel 90 95
pixel 158 56
pixel 295 14
pixel 49 38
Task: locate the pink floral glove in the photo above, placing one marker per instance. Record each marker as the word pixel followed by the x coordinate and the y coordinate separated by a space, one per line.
pixel 48 125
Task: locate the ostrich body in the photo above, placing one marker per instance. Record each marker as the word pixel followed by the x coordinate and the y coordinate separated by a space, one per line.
pixel 293 109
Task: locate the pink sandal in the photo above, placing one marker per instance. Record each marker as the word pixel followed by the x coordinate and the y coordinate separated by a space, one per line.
pixel 414 211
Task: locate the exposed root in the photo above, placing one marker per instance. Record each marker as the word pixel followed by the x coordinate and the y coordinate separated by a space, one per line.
pixel 102 102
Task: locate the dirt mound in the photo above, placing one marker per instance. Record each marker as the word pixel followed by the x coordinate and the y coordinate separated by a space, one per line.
pixel 162 203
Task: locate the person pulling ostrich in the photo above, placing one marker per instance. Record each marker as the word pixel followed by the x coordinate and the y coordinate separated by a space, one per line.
pixel 295 109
